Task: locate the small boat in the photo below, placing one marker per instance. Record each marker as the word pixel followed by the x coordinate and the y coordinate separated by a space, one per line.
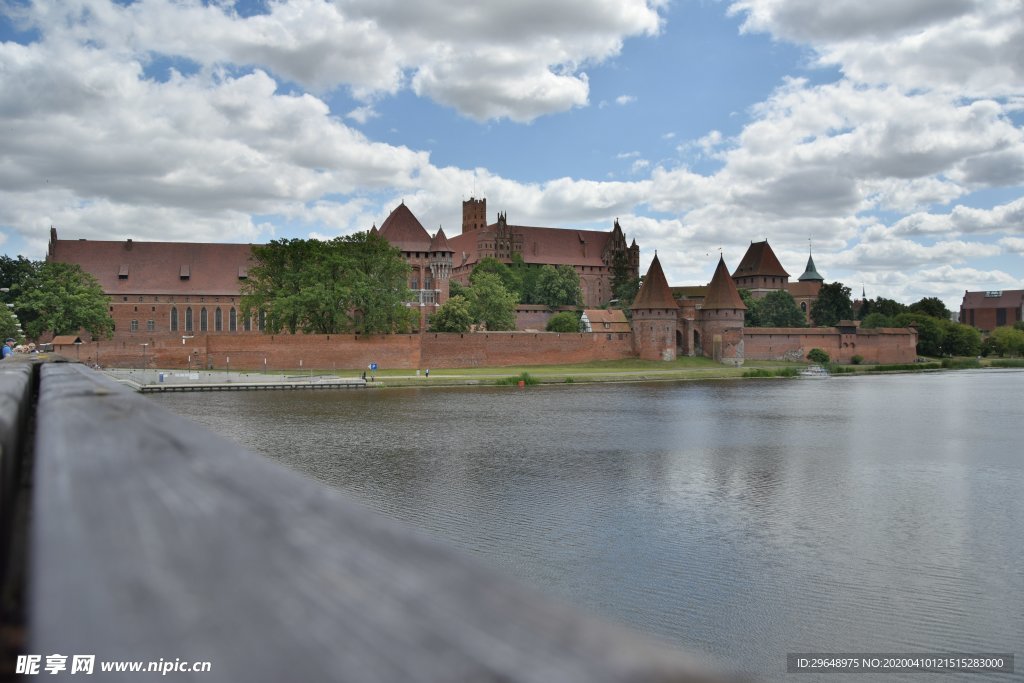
pixel 814 372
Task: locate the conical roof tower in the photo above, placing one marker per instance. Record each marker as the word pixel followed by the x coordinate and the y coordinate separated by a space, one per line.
pixel 722 292
pixel 654 293
pixel 810 273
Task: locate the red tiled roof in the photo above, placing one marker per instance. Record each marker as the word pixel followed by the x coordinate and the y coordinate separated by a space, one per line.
pixel 654 293
pixel 722 292
pixel 540 245
pixel 614 318
pixel 760 260
pixel 403 230
pixel 1007 298
pixel 440 242
pixel 158 267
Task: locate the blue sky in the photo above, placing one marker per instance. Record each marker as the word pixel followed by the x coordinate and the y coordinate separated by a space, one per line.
pixel 889 133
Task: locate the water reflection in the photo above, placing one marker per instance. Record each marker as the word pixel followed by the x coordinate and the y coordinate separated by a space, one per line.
pixel 747 519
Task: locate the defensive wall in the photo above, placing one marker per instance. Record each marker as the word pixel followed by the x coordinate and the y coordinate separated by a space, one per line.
pixel 338 351
pixel 881 345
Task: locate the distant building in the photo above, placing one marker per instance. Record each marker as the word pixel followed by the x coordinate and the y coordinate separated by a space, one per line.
pixel 992 309
pixel 165 288
pixel 604 320
pixel 760 272
pixel 592 253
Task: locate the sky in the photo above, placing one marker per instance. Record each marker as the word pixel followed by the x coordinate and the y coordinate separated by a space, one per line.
pixel 886 135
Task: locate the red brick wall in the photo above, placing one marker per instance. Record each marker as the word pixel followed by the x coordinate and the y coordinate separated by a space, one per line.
pixel 329 352
pixel 876 346
pixel 522 348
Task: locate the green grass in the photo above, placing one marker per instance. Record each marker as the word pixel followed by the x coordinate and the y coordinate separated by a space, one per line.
pixel 960 363
pixel 905 367
pixel 1007 363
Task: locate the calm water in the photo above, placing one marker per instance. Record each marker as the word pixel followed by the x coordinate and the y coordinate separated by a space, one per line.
pixel 743 519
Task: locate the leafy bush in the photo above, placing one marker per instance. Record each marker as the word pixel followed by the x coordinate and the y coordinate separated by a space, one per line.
pixel 774 372
pixel 817 356
pixel 857 359
pixel 566 321
pixel 525 378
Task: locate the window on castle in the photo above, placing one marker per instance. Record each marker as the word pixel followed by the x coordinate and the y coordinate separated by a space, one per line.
pixel 188 319
pixel 134 326
pixel 174 319
pixel 263 321
pixel 247 323
pixel 203 320
pixel 150 326
pixel 218 321
pixel 232 320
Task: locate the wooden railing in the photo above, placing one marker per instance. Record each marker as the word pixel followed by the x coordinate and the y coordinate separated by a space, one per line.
pixel 151 538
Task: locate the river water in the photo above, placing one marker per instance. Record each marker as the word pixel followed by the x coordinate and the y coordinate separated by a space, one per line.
pixel 745 519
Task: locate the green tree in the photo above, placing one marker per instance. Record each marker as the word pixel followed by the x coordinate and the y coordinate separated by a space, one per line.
pixel 558 286
pixel 62 298
pixel 752 316
pixel 876 319
pixel 833 304
pixel 960 340
pixel 627 291
pixel 8 325
pixel 817 356
pixel 930 334
pixel 932 306
pixel 1006 341
pixel 456 289
pixel 511 279
pixel 491 303
pixel 356 283
pixel 779 309
pixel 886 307
pixel 453 315
pixel 566 321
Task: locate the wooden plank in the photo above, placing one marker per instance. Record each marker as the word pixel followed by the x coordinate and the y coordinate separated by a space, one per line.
pixel 15 404
pixel 154 538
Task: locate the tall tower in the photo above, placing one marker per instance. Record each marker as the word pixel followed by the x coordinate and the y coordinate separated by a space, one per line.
pixel 474 214
pixel 655 315
pixel 440 263
pixel 721 318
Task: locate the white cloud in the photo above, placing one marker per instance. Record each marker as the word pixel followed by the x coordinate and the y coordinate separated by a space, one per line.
pixel 967 47
pixel 499 60
pixel 1013 244
pixel 623 100
pixel 362 114
pixel 965 220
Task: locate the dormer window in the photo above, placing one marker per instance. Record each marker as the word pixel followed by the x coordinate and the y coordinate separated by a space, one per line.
pixel 185 273
pixel 122 272
pixel 243 273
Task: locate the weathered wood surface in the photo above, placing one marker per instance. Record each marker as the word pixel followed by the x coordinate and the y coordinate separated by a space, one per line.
pixel 15 405
pixel 153 538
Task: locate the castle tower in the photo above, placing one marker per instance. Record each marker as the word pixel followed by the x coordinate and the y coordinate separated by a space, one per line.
pixel 474 214
pixel 440 262
pixel 720 320
pixel 810 273
pixel 760 271
pixel 655 315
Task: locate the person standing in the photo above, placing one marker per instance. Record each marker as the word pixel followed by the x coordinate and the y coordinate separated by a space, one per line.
pixel 8 348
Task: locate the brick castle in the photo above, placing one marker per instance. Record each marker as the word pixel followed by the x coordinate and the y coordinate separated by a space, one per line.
pixel 170 295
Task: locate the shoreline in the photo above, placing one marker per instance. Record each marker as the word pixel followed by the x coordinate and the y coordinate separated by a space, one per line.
pixel 159 381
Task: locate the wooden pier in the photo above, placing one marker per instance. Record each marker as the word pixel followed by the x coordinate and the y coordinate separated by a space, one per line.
pixel 249 386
